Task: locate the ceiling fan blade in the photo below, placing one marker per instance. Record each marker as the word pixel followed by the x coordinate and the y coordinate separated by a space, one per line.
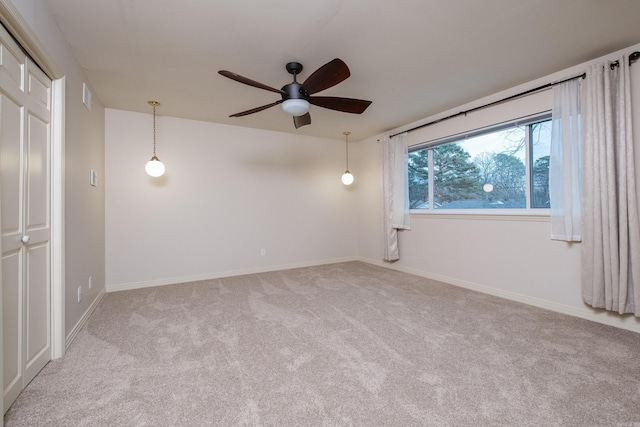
pixel 255 110
pixel 241 79
pixel 330 74
pixel 346 105
pixel 303 120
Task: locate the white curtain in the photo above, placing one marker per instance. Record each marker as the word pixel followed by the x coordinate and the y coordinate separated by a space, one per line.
pixel 610 228
pixel 564 163
pixel 395 192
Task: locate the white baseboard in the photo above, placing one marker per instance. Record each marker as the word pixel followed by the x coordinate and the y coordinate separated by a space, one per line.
pixel 629 322
pixel 219 275
pixel 74 332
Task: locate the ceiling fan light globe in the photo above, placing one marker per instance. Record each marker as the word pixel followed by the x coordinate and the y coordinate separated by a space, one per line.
pixel 347 178
pixel 295 107
pixel 154 167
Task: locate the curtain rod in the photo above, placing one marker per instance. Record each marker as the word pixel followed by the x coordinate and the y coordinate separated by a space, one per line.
pixel 632 58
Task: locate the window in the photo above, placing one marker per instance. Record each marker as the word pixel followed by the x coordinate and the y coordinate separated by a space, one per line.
pixel 502 167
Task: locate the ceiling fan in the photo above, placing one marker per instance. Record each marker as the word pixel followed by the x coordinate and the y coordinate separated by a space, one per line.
pixel 296 97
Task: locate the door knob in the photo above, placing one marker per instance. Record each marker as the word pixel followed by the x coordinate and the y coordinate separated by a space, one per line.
pixel 25 239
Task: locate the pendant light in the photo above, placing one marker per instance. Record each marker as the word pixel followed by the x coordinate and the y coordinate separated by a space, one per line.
pixel 347 178
pixel 154 167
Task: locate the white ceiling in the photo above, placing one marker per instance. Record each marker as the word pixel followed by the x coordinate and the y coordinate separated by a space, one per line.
pixel 412 58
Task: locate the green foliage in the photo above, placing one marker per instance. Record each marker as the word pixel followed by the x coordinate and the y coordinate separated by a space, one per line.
pixel 418 179
pixel 454 176
pixel 541 183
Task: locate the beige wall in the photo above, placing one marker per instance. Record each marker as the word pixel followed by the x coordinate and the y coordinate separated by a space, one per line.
pixel 511 257
pixel 228 192
pixel 84 149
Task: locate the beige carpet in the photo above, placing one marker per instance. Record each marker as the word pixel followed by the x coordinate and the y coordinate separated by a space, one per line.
pixel 338 345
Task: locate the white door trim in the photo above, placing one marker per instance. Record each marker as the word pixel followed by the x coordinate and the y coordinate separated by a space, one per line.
pixel 58 339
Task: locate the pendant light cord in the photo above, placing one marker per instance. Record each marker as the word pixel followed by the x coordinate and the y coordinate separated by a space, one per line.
pixel 154 130
pixel 154 104
pixel 346 146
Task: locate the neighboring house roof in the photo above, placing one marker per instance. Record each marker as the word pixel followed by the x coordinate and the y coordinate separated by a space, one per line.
pixel 484 204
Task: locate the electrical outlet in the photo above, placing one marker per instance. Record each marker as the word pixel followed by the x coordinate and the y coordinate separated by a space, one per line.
pixel 263 252
pixel 90 281
pixel 79 293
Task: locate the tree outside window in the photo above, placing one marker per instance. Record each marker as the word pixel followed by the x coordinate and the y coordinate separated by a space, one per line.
pixel 485 171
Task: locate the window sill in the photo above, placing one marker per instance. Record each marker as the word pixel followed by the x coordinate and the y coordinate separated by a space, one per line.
pixel 539 215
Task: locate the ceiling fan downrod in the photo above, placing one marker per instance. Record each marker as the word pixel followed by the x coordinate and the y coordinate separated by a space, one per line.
pixel 294 90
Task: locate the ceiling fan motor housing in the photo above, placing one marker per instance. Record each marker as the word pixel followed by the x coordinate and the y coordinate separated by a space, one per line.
pixel 294 91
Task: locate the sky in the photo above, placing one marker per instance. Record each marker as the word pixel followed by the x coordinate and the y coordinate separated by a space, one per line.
pixel 506 140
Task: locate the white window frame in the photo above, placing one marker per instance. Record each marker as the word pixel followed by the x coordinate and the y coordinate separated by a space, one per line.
pixel 527 211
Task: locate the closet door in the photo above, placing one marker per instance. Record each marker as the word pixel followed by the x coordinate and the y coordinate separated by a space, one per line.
pixel 25 94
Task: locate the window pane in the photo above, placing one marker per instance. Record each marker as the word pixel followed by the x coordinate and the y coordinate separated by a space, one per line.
pixel 485 169
pixel 419 179
pixel 540 150
pixel 484 172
